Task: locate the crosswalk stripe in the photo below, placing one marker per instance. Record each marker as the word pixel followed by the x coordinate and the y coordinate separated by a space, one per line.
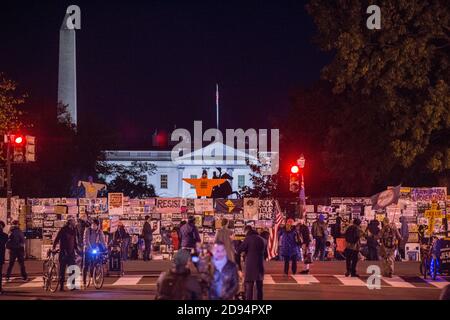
pixel 35 283
pixel 350 281
pixel 398 282
pixel 127 281
pixel 268 279
pixel 438 283
pixel 305 279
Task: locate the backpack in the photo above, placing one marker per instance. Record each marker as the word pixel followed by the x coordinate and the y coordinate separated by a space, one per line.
pixel 173 287
pixel 318 230
pixel 351 235
pixel 389 238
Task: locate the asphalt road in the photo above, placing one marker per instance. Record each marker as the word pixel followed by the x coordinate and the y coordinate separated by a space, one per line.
pixel 326 281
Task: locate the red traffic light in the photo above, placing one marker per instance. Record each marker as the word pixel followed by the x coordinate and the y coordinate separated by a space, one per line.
pixel 295 169
pixel 18 140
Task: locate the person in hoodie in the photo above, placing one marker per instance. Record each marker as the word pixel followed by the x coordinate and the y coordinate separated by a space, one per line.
pixel 16 246
pixel 289 244
pixel 224 282
pixel 189 235
pixel 319 232
pixel 404 232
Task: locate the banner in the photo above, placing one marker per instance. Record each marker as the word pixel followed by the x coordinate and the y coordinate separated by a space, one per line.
pixel 385 198
pixel 168 205
pixel 115 203
pixel 251 208
pixel 202 205
pixel 229 205
pixel 266 209
pixel 429 194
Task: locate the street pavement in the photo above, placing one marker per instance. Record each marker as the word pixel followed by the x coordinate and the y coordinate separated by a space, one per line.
pixel 325 281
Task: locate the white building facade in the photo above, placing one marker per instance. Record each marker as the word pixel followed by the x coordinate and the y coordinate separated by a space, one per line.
pixel 168 177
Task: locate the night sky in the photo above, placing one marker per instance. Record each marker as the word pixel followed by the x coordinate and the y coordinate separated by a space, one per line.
pixel 154 64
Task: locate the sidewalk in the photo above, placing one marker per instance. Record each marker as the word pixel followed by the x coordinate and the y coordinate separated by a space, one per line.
pixel 155 267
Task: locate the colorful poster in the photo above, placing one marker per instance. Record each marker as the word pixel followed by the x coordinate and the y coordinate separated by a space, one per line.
pixel 168 205
pixel 115 203
pixel 266 209
pixel 250 208
pixel 429 194
pixel 229 205
pixel 114 224
pixel 202 205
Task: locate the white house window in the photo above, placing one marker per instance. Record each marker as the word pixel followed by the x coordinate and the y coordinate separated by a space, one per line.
pixel 193 176
pixel 241 181
pixel 163 181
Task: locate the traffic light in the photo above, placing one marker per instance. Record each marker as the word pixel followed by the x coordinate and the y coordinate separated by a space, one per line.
pixel 30 149
pixel 18 142
pixel 294 181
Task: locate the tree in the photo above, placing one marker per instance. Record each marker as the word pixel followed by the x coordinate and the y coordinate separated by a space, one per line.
pixel 263 186
pixel 400 75
pixel 131 180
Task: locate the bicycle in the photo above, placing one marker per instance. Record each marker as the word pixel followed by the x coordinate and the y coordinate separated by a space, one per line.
pixel 429 264
pixel 96 270
pixel 51 271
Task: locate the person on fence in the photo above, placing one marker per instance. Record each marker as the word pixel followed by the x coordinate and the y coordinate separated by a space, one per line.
pixel 289 244
pixel 3 240
pixel 68 247
pixel 225 236
pixel 319 232
pixel 353 235
pixel 16 247
pixel 305 241
pixel 253 246
pixel 389 237
pixel 178 283
pixel 225 280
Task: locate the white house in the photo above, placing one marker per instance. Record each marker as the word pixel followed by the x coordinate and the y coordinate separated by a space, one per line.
pixel 168 178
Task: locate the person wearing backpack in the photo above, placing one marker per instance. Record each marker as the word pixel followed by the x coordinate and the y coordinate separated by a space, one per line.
pixel 319 232
pixel 389 236
pixel 353 235
pixel 178 283
pixel 16 246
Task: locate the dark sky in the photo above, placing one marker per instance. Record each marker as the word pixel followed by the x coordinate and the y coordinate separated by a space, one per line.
pixel 154 64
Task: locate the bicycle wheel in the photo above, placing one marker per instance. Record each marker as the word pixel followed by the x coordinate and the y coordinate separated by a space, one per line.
pixel 53 279
pixel 98 276
pixel 45 274
pixel 433 268
pixel 424 267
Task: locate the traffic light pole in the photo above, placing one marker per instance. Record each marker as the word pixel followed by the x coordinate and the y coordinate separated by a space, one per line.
pixel 8 180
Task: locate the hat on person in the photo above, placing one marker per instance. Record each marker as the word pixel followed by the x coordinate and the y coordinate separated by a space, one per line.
pixel 191 219
pixel 290 221
pixel 321 217
pixel 181 258
pixel 357 221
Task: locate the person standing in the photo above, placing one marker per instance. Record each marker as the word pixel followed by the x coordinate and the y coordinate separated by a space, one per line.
pixel 122 237
pixel 3 240
pixel 93 239
pixel 225 279
pixel 289 244
pixel 253 246
pixel 67 240
pixel 16 246
pixel 404 232
pixel 305 241
pixel 353 236
pixel 389 236
pixel 189 235
pixel 373 232
pixel 319 232
pixel 175 236
pixel 225 235
pixel 147 235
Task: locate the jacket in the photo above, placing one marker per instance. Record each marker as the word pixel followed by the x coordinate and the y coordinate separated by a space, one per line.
pixel 253 246
pixel 289 243
pixel 305 237
pixel 67 239
pixel 357 245
pixel 389 228
pixel 93 238
pixel 3 240
pixel 189 235
pixel 16 238
pixel 178 284
pixel 224 235
pixel 319 229
pixel 227 281
pixel 147 231
pixel 404 231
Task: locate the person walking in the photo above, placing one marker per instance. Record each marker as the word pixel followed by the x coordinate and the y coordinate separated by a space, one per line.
pixel 68 247
pixel 147 235
pixel 404 233
pixel 253 246
pixel 373 232
pixel 3 240
pixel 353 236
pixel 305 241
pixel 225 235
pixel 16 246
pixel 224 284
pixel 319 232
pixel 289 244
pixel 178 283
pixel 389 236
pixel 189 235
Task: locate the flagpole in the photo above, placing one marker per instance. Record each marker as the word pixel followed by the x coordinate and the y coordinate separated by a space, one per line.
pixel 217 106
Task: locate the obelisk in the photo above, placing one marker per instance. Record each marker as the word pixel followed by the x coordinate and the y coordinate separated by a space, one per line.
pixel 67 72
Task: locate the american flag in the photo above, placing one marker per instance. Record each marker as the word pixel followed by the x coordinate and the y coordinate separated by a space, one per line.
pixel 272 246
pixel 303 197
